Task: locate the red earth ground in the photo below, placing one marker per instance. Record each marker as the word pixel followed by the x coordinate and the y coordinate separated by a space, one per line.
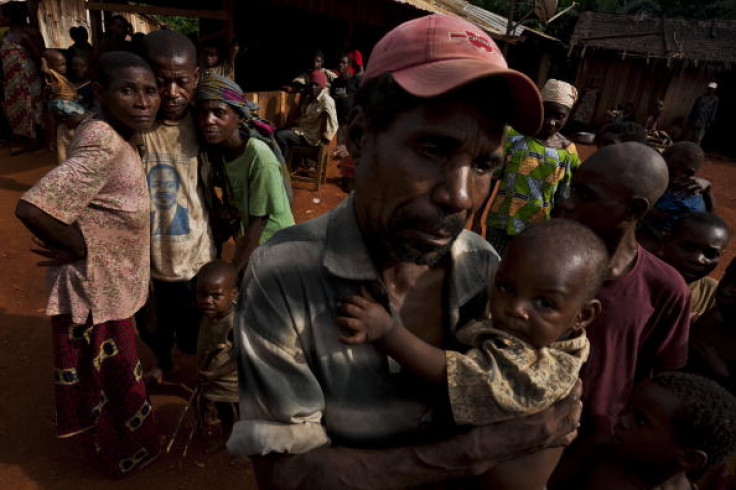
pixel 31 457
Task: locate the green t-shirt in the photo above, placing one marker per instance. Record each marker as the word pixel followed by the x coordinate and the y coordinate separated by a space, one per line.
pixel 258 188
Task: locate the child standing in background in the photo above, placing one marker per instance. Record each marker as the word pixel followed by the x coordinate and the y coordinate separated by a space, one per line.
pixel 62 99
pixel 685 194
pixel 216 293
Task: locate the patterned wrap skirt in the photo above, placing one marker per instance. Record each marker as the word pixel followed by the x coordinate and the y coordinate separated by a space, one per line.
pixel 23 93
pixel 99 385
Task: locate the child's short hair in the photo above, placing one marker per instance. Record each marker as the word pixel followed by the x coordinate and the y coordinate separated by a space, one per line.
pixel 706 419
pixel 574 239
pixel 112 62
pixel 219 269
pixel 621 132
pixel 701 218
pixel 684 154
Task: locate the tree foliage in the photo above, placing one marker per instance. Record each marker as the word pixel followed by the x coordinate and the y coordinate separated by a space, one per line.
pixel 185 25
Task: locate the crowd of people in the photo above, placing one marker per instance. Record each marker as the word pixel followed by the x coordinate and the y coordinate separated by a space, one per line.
pixel 579 344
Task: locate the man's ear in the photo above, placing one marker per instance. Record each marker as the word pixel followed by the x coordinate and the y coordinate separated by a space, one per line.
pixel 587 314
pixel 197 75
pixel 356 133
pixel 637 208
pixel 692 459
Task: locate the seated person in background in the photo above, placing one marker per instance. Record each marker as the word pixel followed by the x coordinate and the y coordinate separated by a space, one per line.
pixel 537 170
pixel 694 248
pixel 645 318
pixel 675 424
pixel 620 132
pixel 317 64
pixel 317 120
pixel 217 361
pixel 216 57
pixel 251 176
pixel 685 193
pixel 713 336
pixel 524 359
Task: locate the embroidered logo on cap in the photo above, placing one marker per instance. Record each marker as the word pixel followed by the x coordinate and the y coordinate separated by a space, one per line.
pixel 472 38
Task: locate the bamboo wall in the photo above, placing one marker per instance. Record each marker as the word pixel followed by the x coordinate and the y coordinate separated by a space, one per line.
pixel 56 17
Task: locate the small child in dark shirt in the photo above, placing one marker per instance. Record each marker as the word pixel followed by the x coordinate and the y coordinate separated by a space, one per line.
pixel 675 424
pixel 522 360
pixel 685 193
pixel 216 293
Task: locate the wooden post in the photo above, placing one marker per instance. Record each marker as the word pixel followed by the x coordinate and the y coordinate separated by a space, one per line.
pixel 95 24
pixel 509 27
pixel 229 7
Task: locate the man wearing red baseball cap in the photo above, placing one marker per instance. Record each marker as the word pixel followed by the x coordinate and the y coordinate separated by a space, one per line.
pixel 426 136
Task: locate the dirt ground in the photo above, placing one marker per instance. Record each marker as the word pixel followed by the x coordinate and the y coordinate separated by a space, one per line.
pixel 31 457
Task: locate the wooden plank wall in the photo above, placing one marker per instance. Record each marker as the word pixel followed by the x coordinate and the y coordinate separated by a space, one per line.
pixel 641 83
pixel 275 105
pixel 56 17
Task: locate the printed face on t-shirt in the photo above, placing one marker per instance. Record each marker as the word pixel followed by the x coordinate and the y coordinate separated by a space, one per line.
pixel 163 184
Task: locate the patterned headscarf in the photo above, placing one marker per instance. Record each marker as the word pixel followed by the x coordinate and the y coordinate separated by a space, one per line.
pixel 560 92
pixel 221 89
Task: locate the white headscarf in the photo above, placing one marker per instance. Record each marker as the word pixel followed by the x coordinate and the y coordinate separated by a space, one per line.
pixel 560 92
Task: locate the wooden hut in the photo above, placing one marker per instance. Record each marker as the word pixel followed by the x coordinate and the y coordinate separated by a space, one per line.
pixel 640 59
pixel 56 17
pixel 281 35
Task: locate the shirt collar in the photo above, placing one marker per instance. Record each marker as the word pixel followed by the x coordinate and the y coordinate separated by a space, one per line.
pixel 347 257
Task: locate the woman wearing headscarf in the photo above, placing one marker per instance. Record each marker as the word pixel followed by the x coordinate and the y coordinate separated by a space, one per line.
pixel 245 167
pixel 537 169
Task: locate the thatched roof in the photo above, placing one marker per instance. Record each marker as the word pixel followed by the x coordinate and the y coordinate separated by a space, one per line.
pixel 647 36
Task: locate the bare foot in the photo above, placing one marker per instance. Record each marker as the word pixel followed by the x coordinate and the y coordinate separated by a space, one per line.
pixel 239 462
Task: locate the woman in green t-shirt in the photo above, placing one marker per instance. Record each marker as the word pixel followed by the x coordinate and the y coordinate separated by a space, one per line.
pixel 252 180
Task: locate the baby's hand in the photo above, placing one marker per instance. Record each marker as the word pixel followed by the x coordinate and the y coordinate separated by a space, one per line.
pixel 365 319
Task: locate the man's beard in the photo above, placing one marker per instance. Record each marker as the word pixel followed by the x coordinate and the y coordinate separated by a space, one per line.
pixel 403 250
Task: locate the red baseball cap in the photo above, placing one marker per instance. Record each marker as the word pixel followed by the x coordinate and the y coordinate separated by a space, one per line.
pixel 318 77
pixel 436 54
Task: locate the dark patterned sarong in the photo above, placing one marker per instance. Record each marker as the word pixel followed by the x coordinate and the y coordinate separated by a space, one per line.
pixel 99 384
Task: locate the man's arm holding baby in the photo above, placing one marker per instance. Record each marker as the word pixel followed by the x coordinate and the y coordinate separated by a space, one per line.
pixel 470 454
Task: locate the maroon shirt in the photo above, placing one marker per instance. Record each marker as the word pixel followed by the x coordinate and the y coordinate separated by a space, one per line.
pixel 643 327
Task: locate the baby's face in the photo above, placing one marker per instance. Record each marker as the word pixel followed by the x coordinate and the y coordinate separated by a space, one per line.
pixel 214 297
pixel 57 62
pixel 535 297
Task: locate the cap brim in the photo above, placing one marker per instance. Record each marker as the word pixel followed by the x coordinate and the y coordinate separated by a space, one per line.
pixel 440 77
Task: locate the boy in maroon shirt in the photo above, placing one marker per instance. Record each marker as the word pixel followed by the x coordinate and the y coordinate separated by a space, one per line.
pixel 645 319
